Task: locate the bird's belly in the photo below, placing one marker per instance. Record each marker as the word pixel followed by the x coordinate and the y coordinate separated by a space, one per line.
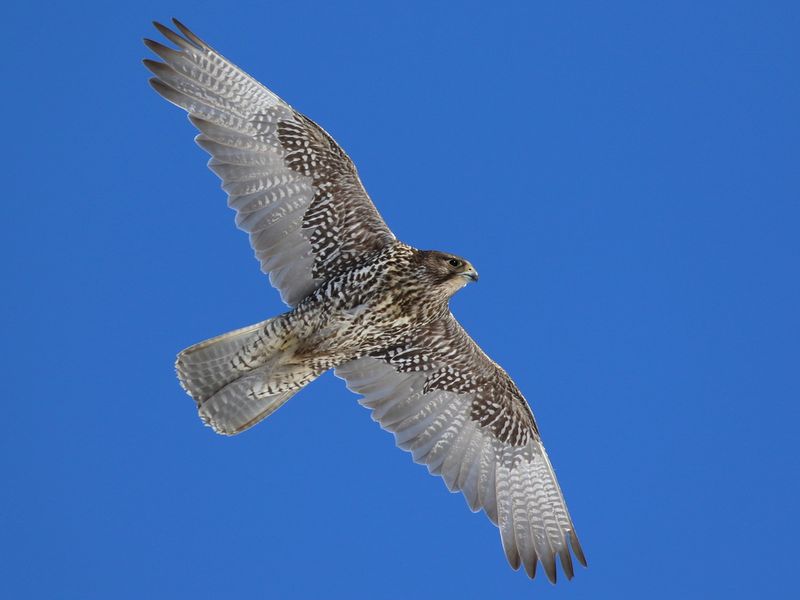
pixel 348 333
pixel 353 316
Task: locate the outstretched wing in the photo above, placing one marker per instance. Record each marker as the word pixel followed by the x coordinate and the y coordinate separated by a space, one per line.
pixel 294 189
pixel 458 412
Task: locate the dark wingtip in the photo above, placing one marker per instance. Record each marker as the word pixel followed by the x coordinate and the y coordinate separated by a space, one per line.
pixel 550 570
pixel 163 29
pixel 159 86
pixel 173 37
pixel 530 568
pixel 576 548
pixel 548 561
pixel 149 63
pixel 566 563
pixel 188 33
pixel 158 69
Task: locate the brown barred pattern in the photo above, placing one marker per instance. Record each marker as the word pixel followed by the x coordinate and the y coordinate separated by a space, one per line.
pixel 344 222
pixel 372 308
pixel 453 362
pixel 296 192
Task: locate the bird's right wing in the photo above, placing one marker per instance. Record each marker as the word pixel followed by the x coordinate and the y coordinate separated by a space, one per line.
pixel 294 189
pixel 459 413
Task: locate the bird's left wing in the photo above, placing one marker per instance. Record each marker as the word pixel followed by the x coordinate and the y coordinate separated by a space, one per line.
pixel 459 413
pixel 294 189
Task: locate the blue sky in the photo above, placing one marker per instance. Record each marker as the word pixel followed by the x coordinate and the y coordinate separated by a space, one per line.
pixel 623 175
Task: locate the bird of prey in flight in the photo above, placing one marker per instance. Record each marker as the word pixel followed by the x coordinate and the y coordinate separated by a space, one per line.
pixel 361 302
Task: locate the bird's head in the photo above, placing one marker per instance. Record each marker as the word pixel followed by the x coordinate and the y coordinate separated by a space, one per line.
pixel 446 272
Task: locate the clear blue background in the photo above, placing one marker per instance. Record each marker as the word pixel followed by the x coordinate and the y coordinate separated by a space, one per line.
pixel 624 176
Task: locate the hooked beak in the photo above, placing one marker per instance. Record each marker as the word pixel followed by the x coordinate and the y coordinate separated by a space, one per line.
pixel 470 274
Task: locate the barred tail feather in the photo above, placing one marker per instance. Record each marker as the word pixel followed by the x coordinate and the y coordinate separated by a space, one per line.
pixel 240 378
pixel 240 405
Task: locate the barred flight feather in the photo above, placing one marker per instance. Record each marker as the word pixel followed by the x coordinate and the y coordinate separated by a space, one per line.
pixel 362 302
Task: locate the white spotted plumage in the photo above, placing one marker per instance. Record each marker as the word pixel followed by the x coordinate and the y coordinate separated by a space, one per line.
pixel 362 303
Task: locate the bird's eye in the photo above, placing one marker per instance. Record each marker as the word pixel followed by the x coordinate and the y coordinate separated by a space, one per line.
pixel 454 262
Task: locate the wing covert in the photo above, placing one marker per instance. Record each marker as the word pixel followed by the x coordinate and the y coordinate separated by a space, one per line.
pixel 295 191
pixel 458 412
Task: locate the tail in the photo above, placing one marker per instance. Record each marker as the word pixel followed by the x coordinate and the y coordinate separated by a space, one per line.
pixel 242 377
